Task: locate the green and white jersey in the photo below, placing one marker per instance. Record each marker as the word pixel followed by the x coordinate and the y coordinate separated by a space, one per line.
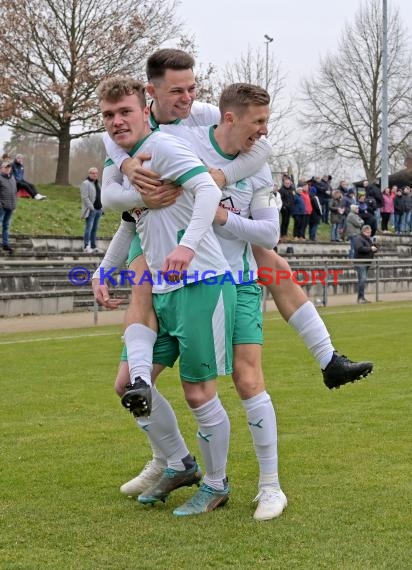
pixel 241 198
pixel 188 221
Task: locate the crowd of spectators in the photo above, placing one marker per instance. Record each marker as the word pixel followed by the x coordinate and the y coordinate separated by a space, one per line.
pixel 344 208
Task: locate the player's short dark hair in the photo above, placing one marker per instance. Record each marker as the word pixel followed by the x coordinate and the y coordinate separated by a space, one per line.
pixel 239 96
pixel 163 59
pixel 114 88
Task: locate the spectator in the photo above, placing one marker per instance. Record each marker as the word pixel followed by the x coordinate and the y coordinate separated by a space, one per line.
pixel 364 212
pixel 22 184
pixel 387 209
pixel 348 200
pixel 324 193
pixel 7 201
pixel 343 187
pixel 286 193
pixel 374 191
pixel 337 209
pixel 277 197
pixel 407 216
pixel 353 225
pixel 298 213
pixel 308 206
pixel 365 249
pixel 91 209
pixel 399 210
pixel 316 215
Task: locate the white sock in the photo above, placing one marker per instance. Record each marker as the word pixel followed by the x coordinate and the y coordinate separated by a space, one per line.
pixel 213 437
pixel 163 432
pixel 261 419
pixel 139 341
pixel 307 323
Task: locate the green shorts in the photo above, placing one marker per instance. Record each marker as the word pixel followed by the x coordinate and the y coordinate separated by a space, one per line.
pixel 196 323
pixel 135 249
pixel 248 326
pixel 248 320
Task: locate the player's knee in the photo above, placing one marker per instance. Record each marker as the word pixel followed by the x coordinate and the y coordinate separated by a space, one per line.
pixel 248 380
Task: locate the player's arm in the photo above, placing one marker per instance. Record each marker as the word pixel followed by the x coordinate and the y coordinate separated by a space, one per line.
pixel 263 229
pixel 206 199
pixel 118 194
pixel 114 258
pixel 244 165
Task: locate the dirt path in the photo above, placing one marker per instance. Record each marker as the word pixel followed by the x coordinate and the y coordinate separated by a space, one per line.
pixel 86 319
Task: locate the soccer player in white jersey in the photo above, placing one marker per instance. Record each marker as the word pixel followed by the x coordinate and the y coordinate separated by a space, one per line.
pixel 172 86
pixel 245 112
pixel 176 239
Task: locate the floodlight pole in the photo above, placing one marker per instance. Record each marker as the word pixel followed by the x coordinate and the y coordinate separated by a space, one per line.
pixel 268 40
pixel 384 154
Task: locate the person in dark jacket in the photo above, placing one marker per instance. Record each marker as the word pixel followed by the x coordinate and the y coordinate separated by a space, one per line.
pixel 7 201
pixel 399 210
pixel 316 215
pixel 286 193
pixel 365 249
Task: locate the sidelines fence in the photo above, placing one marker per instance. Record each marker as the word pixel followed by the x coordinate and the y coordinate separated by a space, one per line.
pixel 322 279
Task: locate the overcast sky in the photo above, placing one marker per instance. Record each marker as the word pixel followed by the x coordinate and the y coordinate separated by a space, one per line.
pixel 302 31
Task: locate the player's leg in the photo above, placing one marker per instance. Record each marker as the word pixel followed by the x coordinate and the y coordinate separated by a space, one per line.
pixel 208 309
pixel 161 426
pixel 140 333
pixel 250 385
pixel 302 315
pixel 154 468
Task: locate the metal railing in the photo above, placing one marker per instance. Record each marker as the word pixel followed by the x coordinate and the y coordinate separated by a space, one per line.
pixel 322 275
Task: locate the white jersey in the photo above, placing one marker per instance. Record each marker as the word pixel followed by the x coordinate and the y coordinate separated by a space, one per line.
pixel 161 230
pixel 201 115
pixel 240 198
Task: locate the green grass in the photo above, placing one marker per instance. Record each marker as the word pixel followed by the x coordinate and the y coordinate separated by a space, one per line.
pixel 58 216
pixel 344 458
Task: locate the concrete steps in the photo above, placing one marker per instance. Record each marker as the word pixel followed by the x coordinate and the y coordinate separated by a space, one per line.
pixel 38 278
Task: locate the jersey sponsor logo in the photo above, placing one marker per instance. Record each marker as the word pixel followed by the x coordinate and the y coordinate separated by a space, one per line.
pixel 138 213
pixel 227 204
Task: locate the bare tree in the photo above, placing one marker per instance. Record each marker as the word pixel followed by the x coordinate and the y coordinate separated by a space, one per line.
pixel 86 152
pixel 344 100
pixel 251 68
pixel 53 54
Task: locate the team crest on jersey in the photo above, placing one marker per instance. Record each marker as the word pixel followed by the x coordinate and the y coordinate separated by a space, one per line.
pixel 227 204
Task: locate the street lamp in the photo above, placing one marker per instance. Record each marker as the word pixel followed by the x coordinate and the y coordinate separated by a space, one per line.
pixel 384 156
pixel 268 40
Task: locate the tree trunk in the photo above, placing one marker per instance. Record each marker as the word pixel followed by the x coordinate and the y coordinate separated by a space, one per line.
pixel 62 173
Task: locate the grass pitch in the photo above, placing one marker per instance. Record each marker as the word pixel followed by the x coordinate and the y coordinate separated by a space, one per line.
pixel 66 446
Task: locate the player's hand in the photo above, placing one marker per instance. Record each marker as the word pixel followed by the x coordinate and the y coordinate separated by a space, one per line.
pixel 177 262
pixel 162 196
pixel 221 216
pixel 218 177
pixel 143 179
pixel 102 296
